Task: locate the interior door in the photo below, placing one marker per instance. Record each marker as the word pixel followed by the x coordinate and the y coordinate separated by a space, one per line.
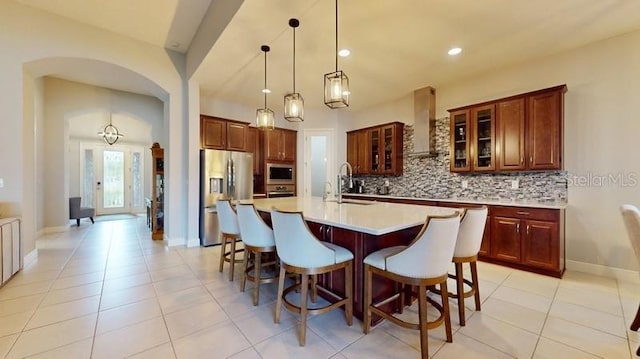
pixel 318 162
pixel 113 179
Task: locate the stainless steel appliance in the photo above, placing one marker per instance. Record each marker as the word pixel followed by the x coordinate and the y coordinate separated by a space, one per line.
pixel 223 174
pixel 274 191
pixel 281 173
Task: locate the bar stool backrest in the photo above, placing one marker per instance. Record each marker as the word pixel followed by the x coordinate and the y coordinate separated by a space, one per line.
pixel 296 245
pixel 471 232
pixel 227 217
pixel 253 230
pixel 430 253
pixel 631 218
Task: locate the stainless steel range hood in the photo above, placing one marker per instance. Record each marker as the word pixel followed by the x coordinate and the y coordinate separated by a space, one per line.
pixel 424 126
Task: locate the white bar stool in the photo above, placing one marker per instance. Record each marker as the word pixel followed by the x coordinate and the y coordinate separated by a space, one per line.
pixel 257 238
pixel 230 232
pixel 423 263
pixel 631 217
pixel 302 253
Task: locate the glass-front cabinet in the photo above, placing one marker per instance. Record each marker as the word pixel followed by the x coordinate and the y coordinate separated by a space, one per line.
pixel 157 192
pixel 459 148
pixel 385 149
pixel 483 124
pixel 374 150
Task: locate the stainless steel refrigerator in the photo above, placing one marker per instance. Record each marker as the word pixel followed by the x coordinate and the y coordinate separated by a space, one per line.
pixel 225 175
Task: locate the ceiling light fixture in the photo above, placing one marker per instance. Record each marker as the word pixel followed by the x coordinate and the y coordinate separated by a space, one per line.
pixel 336 84
pixel 344 52
pixel 265 120
pixel 110 133
pixel 454 51
pixel 293 102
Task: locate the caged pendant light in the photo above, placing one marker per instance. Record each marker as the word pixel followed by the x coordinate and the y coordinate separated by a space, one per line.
pixel 293 102
pixel 265 119
pixel 336 84
pixel 110 133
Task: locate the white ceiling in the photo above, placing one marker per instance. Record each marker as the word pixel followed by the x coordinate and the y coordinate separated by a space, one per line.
pixel 396 46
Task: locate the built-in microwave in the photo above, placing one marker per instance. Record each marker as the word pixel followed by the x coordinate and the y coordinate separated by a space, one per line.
pixel 280 173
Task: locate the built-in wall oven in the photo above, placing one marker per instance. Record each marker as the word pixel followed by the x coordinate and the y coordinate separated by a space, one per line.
pixel 281 174
pixel 279 190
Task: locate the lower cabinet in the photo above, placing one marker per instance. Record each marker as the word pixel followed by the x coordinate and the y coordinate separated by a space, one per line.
pixel 10 252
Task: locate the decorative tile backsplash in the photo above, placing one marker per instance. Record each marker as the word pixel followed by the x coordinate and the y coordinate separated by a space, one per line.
pixel 430 177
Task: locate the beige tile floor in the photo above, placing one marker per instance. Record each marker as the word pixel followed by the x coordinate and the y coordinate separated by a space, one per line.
pixel 107 291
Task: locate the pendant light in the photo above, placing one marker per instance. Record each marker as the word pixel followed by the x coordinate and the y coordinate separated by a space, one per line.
pixel 110 133
pixel 336 84
pixel 293 102
pixel 265 119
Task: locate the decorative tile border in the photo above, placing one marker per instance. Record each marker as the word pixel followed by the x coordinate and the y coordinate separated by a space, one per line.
pixel 430 177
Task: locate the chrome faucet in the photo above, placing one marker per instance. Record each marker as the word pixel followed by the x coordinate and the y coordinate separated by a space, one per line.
pixel 349 175
pixel 325 193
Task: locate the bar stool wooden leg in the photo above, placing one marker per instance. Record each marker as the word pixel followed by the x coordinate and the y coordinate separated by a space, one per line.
pixel 223 249
pixel 476 286
pixel 460 292
pixel 232 258
pixel 257 266
pixel 314 288
pixel 636 321
pixel 303 309
pixel 422 319
pixel 283 273
pixel 245 265
pixel 348 290
pixel 368 277
pixel 445 310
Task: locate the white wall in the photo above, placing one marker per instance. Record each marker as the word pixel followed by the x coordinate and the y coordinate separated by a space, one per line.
pixel 601 134
pixel 32 41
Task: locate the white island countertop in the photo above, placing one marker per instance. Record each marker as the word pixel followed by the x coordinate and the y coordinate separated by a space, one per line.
pixel 487 201
pixel 370 217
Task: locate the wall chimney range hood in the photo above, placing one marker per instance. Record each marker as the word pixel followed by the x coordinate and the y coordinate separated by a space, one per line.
pixel 424 126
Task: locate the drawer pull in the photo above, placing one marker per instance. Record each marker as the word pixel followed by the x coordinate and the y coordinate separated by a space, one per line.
pixel 518 228
pixel 528 229
pixel 523 213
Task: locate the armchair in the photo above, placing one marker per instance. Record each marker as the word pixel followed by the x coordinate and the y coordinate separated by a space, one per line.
pixel 76 212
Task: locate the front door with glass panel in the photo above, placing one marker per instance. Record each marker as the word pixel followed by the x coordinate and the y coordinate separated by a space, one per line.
pixel 113 178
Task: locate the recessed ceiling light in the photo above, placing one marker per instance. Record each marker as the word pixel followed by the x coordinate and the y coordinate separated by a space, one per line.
pixel 454 51
pixel 266 91
pixel 344 52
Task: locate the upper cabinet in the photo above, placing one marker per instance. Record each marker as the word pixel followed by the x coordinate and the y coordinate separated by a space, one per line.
pixel 221 134
pixel 254 145
pixel 357 144
pixel 519 133
pixel 376 150
pixel 280 145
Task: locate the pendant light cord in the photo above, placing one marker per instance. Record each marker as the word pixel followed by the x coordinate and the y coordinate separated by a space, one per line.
pixel 336 35
pixel 294 60
pixel 265 79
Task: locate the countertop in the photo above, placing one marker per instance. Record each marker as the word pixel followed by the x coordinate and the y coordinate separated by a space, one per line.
pixel 491 202
pixel 370 217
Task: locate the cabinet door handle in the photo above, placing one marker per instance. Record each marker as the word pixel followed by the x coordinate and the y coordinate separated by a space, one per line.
pixel 523 213
pixel 530 160
pixel 321 231
pixel 528 229
pixel 518 228
pixel 521 160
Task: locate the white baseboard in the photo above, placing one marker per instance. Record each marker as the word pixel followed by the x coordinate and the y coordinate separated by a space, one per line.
pixel 59 229
pixel 30 258
pixel 193 242
pixel 620 274
pixel 172 242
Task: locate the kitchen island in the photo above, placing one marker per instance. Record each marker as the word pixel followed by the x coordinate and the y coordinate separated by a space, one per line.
pixel 362 227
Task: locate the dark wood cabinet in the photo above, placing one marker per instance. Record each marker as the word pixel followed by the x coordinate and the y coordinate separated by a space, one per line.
pixel 222 134
pixel 505 243
pixel 157 191
pixel 254 145
pixel 511 134
pixel 544 130
pixel 518 133
pixel 541 244
pixel 459 145
pixel 280 145
pixel 376 150
pixel 357 142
